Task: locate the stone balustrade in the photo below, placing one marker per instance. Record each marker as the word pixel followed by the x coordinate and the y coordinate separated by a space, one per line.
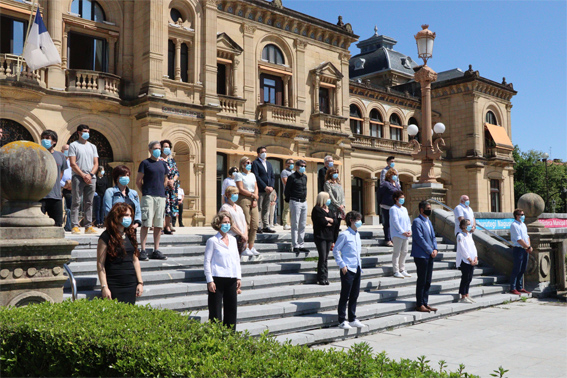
pixel 231 106
pixel 270 113
pixel 498 153
pixel 9 70
pixel 327 122
pixel 93 82
pixel 375 143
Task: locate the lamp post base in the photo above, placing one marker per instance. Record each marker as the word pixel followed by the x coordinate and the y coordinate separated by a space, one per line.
pixel 425 191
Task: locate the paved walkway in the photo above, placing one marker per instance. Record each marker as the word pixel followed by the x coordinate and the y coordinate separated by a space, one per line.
pixel 527 338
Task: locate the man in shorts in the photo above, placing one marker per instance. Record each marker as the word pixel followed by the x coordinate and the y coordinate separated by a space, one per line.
pixel 151 181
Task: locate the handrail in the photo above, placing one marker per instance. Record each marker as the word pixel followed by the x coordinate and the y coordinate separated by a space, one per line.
pixel 477 225
pixel 73 281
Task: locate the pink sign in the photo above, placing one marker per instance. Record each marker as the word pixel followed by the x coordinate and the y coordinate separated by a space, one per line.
pixel 554 222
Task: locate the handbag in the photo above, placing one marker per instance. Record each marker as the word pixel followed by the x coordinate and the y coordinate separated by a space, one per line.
pixel 241 244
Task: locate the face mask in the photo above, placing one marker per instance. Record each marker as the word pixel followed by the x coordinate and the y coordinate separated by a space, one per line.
pixel 126 221
pixel 46 143
pixel 522 218
pixel 392 164
pixel 427 212
pixel 85 136
pixel 234 197
pixel 401 201
pixel 124 180
pixel 102 173
pixel 301 169
pixel 167 151
pixel 263 156
pixel 331 164
pixel 290 167
pixel 66 153
pixel 469 228
pixel 358 224
pixel 395 178
pixel 234 174
pixel 156 153
pixel 225 227
pixel 335 176
pixel 328 202
pixel 467 203
pixel 249 167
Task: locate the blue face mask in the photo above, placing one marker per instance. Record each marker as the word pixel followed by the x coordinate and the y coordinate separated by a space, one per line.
pixel 328 202
pixel 46 143
pixel 249 167
pixel 66 153
pixel 156 153
pixel 290 167
pixel 401 201
pixel 395 177
pixel 85 136
pixel 301 169
pixel 234 197
pixel 469 228
pixel 225 227
pixel 124 180
pixel 392 164
pixel 126 221
pixel 331 164
pixel 335 176
pixel 358 224
pixel 167 151
pixel 467 203
pixel 522 218
pixel 102 173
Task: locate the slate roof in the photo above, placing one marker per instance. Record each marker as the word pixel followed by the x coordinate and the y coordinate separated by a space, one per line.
pixel 380 60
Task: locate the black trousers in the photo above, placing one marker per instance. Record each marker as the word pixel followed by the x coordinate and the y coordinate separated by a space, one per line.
pixel 466 278
pixel 180 216
pixel 225 295
pixel 424 274
pixel 350 288
pixel 54 209
pixel 323 248
pixel 386 224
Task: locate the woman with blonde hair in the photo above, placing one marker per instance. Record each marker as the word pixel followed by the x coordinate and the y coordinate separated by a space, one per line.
pixel 239 227
pixel 324 221
pixel 248 199
pixel 337 195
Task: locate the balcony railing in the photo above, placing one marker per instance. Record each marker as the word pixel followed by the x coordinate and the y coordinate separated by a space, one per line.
pixel 375 143
pixel 231 106
pixel 276 114
pixel 327 122
pixel 498 153
pixel 93 82
pixel 9 70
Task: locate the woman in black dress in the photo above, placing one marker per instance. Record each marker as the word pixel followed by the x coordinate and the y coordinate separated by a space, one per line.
pixel 324 221
pixel 117 257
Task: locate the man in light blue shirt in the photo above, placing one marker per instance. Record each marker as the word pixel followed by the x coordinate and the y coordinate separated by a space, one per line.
pixel 522 248
pixel 347 256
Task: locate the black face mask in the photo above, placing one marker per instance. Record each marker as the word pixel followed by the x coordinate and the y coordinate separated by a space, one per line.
pixel 427 212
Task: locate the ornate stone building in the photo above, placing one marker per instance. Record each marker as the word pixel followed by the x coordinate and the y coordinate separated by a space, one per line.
pixel 220 78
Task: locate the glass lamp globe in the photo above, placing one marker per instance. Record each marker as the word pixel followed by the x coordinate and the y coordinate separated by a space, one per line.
pixel 439 128
pixel 413 130
pixel 545 155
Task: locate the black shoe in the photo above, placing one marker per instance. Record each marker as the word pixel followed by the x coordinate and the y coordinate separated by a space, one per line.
pixel 269 230
pixel 296 250
pixel 181 225
pixel 167 232
pixel 143 256
pixel 321 283
pixel 157 255
pixel 304 250
pixel 327 282
pixel 259 231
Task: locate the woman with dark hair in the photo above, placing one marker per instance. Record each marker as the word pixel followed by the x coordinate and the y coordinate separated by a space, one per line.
pixel 117 253
pixel 171 202
pixel 229 181
pixel 222 271
pixel 121 193
pixel 101 186
pixel 386 196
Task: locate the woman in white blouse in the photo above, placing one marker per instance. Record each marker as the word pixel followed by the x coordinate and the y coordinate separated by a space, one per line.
pixel 229 181
pixel 467 258
pixel 248 199
pixel 400 230
pixel 239 227
pixel 222 271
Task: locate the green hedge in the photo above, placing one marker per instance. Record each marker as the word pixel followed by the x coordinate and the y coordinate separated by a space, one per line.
pixel 106 338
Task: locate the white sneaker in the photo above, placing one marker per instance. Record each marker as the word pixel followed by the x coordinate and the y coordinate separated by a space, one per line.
pixel 356 323
pixel 247 252
pixel 398 275
pixel 254 252
pixel 470 300
pixel 406 274
pixel 286 227
pixel 344 325
pixel 464 300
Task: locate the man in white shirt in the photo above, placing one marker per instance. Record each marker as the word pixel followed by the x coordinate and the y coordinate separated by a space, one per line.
pixel 464 211
pixel 522 248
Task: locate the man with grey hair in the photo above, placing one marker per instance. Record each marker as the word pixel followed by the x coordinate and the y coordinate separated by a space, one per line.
pixel 296 194
pixel 151 181
pixel 464 211
pixel 329 162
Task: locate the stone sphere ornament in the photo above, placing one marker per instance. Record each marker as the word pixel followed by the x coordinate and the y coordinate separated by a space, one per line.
pixel 532 204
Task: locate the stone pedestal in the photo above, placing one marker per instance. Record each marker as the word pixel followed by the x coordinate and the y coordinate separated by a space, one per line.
pixel 420 192
pixel 371 220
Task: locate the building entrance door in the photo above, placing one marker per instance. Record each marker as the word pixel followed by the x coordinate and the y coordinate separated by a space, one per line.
pixel 358 195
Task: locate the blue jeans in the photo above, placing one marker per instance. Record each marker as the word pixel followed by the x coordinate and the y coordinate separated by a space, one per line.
pixel 98 210
pixel 521 258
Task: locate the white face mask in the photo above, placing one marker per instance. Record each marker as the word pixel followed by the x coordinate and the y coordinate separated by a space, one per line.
pixel 263 155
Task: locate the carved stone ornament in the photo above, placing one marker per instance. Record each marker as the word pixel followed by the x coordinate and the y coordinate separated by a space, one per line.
pixel 425 74
pixel 300 44
pixel 277 3
pixel 248 29
pixel 340 22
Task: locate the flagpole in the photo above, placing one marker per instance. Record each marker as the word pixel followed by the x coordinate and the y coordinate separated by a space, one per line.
pixel 33 10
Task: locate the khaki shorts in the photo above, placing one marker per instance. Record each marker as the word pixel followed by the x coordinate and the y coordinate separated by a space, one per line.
pixel 153 211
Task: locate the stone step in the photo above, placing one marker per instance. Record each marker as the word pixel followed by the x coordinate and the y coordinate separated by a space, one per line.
pixel 446 306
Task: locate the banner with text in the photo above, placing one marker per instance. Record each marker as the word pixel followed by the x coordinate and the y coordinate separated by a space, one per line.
pixel 504 224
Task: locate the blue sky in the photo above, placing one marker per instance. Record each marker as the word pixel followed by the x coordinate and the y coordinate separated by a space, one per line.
pixel 525 41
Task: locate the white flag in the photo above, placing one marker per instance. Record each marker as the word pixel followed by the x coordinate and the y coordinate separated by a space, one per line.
pixel 40 50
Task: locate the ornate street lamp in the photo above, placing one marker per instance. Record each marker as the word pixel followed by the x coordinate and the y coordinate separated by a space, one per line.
pixel 428 150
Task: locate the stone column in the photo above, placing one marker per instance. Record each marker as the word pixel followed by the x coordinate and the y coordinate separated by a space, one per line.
pixel 178 59
pixel 251 80
pixel 300 72
pixel 208 181
pixel 286 91
pixel 209 45
pixel 64 48
pixel 56 75
pixel 235 64
pixel 366 126
pixel 386 130
pixel 338 105
pixel 370 217
pixel 316 81
pixel 111 54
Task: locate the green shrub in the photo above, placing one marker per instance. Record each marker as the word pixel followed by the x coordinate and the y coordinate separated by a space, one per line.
pixel 106 338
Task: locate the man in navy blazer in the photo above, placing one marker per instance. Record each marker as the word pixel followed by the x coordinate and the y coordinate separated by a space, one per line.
pixel 423 250
pixel 266 180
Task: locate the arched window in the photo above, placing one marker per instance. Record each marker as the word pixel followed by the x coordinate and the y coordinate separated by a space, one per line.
pixel 273 54
pixel 175 15
pixel 395 127
pixel 376 124
pixel 183 74
pixel 355 119
pixel 491 118
pixel 88 9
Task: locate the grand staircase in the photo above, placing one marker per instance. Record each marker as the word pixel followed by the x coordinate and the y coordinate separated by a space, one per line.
pixel 280 294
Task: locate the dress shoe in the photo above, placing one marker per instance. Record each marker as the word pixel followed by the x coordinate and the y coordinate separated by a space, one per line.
pixel 327 282
pixel 422 309
pixel 524 291
pixel 321 283
pixel 515 292
pixel 167 232
pixel 296 250
pixel 259 231
pixel 431 308
pixel 304 250
pixel 268 230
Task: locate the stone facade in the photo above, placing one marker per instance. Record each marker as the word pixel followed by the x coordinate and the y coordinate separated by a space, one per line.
pixel 199 73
